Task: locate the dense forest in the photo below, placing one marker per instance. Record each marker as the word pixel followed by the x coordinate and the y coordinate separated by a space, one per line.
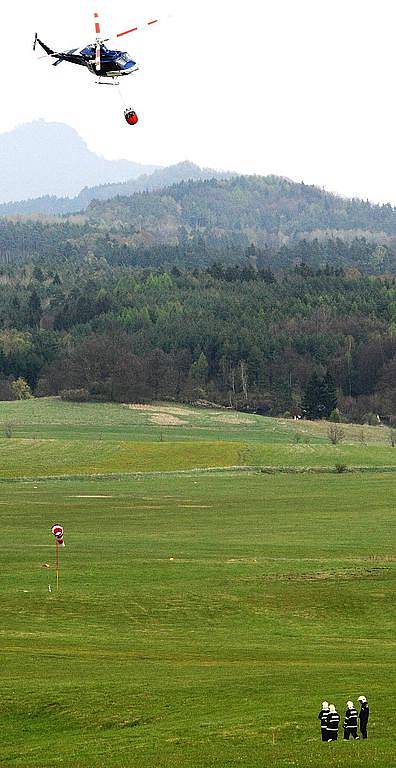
pixel 239 335
pixel 196 224
pixel 264 209
pixel 255 293
pixel 54 242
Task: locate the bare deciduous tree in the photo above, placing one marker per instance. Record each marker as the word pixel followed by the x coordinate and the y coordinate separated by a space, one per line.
pixel 244 379
pixel 335 433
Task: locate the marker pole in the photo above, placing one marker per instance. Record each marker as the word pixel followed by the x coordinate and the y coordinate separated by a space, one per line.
pixel 57 565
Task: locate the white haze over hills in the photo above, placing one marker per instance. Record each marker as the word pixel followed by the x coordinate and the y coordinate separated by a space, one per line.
pixel 47 168
pixel 45 158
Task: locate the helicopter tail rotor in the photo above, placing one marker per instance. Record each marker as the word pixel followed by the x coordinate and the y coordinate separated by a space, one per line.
pixel 35 41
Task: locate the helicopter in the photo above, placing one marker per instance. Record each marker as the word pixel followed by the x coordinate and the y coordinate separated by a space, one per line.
pixel 101 61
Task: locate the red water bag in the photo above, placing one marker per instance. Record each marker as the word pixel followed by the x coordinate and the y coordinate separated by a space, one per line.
pixel 131 117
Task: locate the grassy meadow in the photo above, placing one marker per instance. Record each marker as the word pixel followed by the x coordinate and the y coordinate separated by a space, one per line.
pixel 202 616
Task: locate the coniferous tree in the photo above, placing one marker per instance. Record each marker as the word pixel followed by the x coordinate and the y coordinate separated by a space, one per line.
pixel 312 402
pixel 320 398
pixel 329 395
pixel 34 309
pixel 311 398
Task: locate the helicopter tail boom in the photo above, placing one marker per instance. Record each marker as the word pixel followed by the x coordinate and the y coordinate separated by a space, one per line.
pixel 43 45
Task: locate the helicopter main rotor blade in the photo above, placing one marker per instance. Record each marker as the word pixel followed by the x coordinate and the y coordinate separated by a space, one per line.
pixel 98 62
pixel 138 28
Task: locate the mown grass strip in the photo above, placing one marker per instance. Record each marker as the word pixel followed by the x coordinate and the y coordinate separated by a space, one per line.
pixel 204 470
pixel 61 458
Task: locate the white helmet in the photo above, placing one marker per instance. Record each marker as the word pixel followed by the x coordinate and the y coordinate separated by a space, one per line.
pixel 362 699
pixel 332 708
pixel 350 704
pixel 325 704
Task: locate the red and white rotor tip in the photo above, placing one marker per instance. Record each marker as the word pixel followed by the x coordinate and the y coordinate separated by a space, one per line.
pixel 97 24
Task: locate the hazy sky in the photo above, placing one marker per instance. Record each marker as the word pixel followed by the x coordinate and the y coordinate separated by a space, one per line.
pixel 305 89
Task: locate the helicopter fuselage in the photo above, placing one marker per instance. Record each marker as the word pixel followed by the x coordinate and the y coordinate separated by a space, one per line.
pixel 113 63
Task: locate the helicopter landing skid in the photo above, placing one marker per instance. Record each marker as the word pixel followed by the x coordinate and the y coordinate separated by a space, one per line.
pixel 107 82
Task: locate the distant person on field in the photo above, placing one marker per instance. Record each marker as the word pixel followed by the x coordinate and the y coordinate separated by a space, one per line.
pixel 333 721
pixel 322 716
pixel 363 715
pixel 351 722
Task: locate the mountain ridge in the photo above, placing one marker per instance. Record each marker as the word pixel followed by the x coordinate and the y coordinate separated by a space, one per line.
pixel 32 165
pixel 263 209
pixel 148 182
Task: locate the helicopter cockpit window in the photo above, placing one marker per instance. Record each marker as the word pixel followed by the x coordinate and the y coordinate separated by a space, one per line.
pixel 123 59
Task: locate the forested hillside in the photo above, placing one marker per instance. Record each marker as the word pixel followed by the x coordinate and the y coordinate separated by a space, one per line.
pixel 233 335
pixel 265 209
pixel 50 205
pixel 274 222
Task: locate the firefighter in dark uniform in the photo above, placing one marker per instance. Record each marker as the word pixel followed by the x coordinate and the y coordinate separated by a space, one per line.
pixel 333 721
pixel 363 715
pixel 322 716
pixel 351 722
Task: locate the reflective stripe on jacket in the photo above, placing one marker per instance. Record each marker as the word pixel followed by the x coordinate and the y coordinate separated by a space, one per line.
pixel 333 721
pixel 322 716
pixel 351 718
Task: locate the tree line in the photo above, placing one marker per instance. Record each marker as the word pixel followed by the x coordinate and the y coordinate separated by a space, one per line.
pixel 240 335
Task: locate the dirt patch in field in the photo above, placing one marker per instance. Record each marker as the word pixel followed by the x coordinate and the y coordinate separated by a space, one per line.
pixel 163 417
pixel 139 407
pixel 167 420
pixel 174 416
pixel 179 411
pixel 174 411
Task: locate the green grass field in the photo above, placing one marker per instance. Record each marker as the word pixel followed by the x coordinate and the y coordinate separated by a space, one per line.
pixel 51 418
pixel 202 616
